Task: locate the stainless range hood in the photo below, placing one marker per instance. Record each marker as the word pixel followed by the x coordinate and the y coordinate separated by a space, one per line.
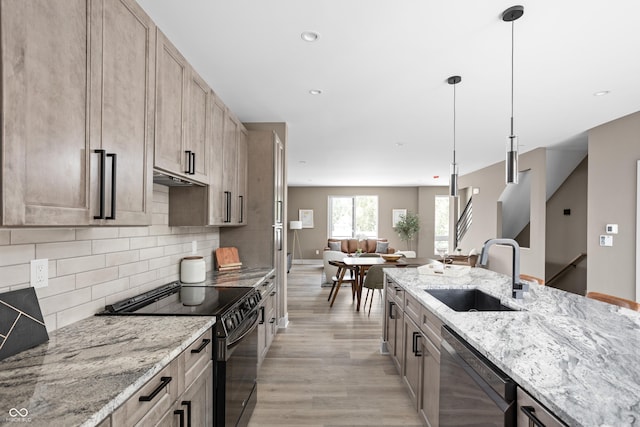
pixel 171 181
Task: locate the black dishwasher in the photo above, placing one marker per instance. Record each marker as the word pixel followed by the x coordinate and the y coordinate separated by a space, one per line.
pixel 473 391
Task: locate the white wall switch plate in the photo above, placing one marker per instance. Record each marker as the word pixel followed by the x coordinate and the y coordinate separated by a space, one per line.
pixel 612 228
pixel 40 273
pixel 194 246
pixel 606 240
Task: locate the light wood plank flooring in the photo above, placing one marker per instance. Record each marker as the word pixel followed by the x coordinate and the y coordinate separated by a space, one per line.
pixel 326 369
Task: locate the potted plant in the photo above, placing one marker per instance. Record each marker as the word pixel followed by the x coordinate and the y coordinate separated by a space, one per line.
pixel 408 227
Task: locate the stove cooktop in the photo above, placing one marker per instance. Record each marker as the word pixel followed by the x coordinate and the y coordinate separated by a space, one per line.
pixel 178 299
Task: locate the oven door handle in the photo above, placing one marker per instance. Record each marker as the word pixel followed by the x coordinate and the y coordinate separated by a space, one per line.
pixel 254 324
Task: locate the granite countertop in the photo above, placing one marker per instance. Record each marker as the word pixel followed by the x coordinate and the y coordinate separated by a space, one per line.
pixel 245 277
pixel 89 368
pixel 579 357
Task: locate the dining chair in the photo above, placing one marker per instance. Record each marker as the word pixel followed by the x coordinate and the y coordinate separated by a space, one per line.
pixel 530 278
pixel 610 299
pixel 340 278
pixel 372 281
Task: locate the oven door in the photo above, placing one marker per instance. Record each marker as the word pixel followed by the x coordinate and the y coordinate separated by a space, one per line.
pixel 236 376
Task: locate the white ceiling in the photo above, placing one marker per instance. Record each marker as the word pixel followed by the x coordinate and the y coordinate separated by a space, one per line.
pixel 382 67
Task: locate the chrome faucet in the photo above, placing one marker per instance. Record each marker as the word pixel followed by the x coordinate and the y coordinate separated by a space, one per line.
pixel 517 288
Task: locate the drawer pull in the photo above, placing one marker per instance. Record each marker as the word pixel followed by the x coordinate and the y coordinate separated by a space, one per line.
pixel 164 382
pixel 205 342
pixel 416 351
pixel 391 305
pixel 181 413
pixel 529 411
pixel 187 403
pixel 261 321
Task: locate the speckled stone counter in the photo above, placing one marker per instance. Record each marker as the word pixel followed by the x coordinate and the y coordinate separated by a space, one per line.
pixel 246 277
pixel 579 357
pixel 89 368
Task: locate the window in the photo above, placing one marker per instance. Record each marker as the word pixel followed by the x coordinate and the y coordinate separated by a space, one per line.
pixel 441 226
pixel 353 217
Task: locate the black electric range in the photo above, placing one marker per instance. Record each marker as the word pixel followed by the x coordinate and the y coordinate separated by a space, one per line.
pixel 235 350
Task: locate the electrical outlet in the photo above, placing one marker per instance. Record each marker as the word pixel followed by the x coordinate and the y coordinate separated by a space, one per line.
pixel 317 252
pixel 40 273
pixel 194 247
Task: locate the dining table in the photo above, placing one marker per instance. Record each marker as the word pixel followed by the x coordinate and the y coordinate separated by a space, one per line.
pixel 360 265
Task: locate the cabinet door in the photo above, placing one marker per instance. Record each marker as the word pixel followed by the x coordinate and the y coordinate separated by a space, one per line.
pixel 229 167
pixel 45 116
pixel 217 197
pixel 429 382
pixel 242 169
pixel 412 358
pixel 197 400
pixel 171 82
pixel 122 88
pixel 278 180
pixel 272 327
pixel 395 321
pixel 198 132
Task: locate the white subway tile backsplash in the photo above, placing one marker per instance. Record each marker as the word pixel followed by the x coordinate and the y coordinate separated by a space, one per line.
pixel 144 242
pixel 94 266
pixel 141 279
pixel 133 268
pixel 58 285
pixel 150 253
pixel 63 249
pixel 93 233
pixel 80 264
pixel 82 311
pixel 16 254
pixel 94 277
pixel 14 275
pixel 118 258
pixel 64 301
pixel 42 235
pixel 5 237
pixel 108 288
pixel 109 245
pixel 133 231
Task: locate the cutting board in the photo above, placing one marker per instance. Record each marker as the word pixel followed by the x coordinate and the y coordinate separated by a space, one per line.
pixel 227 258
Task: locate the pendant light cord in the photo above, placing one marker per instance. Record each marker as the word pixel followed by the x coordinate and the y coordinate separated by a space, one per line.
pixel 512 54
pixel 454 124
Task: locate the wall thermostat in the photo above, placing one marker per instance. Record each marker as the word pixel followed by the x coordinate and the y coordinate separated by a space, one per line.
pixel 606 240
pixel 612 228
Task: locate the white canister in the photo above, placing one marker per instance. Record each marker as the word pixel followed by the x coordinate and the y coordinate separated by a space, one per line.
pixel 192 269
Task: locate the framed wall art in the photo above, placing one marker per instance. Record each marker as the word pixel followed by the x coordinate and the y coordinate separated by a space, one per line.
pixel 306 216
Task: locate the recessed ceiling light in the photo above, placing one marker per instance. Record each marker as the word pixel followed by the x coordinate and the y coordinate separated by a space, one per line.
pixel 399 144
pixel 309 36
pixel 601 93
pixel 303 162
pixel 315 91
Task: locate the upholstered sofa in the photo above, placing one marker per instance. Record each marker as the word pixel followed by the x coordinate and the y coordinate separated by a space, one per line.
pixel 350 246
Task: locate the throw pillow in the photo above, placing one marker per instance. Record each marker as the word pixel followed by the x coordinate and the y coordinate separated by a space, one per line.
pixel 382 247
pixel 334 246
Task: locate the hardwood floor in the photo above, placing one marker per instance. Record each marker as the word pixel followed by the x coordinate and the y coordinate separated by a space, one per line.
pixel 326 369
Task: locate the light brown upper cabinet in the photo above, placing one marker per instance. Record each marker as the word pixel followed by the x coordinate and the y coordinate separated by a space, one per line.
pixel 77 112
pixel 217 197
pixel 243 158
pixel 182 137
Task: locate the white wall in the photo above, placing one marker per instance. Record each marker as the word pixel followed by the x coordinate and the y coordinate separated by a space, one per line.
pixel 614 149
pixel 94 266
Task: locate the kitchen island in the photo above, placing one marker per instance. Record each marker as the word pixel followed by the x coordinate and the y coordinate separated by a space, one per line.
pixel 578 357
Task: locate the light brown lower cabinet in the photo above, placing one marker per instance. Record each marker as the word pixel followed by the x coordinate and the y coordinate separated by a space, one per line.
pixel 180 394
pixel 531 412
pixel 412 335
pixel 267 325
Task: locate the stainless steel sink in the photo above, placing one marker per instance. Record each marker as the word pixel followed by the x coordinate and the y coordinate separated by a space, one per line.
pixel 468 300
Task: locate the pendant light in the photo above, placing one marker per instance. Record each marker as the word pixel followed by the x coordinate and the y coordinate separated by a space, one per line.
pixel 511 170
pixel 453 174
